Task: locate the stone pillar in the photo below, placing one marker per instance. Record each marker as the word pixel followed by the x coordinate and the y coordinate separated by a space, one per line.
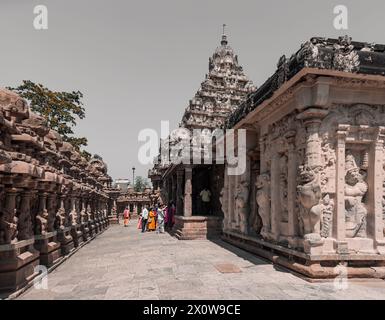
pixel 340 228
pixel 10 203
pixel 188 192
pixel 51 206
pixel 179 192
pixel 292 185
pixel 25 229
pixel 42 202
pixel 275 199
pixel 376 196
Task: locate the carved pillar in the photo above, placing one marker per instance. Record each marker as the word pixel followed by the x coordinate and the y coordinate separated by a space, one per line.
pixel 179 191
pixel 275 189
pixel 188 192
pixel 312 120
pixel 25 230
pixel 376 196
pixel 292 184
pixel 51 206
pixel 340 228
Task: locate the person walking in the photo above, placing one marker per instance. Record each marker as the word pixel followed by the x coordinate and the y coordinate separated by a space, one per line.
pixel 161 216
pixel 126 216
pixel 144 219
pixel 152 220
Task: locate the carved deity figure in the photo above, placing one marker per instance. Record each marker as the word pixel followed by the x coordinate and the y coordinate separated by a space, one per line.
pixel 73 217
pixel 355 190
pixel 8 227
pixel 41 223
pixel 89 214
pixel 327 216
pixel 309 195
pixel 263 201
pixel 60 219
pixel 83 216
pixel 242 205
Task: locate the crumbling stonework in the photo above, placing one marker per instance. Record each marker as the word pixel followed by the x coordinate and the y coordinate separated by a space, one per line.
pixel 51 198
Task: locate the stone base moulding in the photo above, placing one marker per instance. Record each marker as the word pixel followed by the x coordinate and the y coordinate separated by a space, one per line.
pixel 17 265
pixel 49 248
pixel 66 241
pixel 197 227
pixel 311 268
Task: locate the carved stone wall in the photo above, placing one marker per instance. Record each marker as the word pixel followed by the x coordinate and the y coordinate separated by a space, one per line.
pixel 45 184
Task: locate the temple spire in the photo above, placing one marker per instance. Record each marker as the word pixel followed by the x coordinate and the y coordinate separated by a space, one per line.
pixel 224 37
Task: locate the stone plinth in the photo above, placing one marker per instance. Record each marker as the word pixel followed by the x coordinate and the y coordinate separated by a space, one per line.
pixel 312 266
pixel 17 265
pixel 92 227
pixel 66 241
pixel 49 248
pixel 85 231
pixel 197 227
pixel 77 235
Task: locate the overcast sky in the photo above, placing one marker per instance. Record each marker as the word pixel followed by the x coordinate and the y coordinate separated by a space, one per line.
pixel 139 62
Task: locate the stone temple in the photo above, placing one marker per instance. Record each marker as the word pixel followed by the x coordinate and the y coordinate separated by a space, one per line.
pixel 225 87
pixel 312 195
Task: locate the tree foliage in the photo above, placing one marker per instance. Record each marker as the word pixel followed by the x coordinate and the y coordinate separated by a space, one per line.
pixel 140 184
pixel 60 109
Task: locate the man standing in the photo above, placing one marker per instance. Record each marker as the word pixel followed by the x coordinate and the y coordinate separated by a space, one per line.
pixel 161 214
pixel 205 197
pixel 144 219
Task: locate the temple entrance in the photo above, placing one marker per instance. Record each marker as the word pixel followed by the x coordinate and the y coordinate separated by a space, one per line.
pixel 207 178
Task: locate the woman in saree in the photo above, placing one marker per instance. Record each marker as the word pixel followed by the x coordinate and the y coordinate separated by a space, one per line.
pixel 151 226
pixel 126 216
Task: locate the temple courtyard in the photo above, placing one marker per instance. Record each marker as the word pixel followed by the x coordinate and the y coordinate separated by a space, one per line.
pixel 123 263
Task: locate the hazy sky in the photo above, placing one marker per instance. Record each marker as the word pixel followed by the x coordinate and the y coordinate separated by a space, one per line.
pixel 139 62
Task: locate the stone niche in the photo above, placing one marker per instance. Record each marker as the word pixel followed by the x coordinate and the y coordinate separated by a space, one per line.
pixel 319 188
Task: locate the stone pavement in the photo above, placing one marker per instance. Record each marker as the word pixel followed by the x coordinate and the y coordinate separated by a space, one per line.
pixel 123 263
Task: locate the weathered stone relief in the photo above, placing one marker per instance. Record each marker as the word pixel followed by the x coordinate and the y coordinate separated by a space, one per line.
pixel 355 191
pixel 309 196
pixel 263 198
pixel 242 205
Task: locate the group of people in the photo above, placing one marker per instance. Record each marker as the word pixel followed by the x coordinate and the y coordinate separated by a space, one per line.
pixel 158 218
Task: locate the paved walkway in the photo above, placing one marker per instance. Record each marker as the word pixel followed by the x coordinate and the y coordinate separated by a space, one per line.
pixel 122 263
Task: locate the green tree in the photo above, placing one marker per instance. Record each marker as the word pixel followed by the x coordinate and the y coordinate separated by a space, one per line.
pixel 140 184
pixel 60 109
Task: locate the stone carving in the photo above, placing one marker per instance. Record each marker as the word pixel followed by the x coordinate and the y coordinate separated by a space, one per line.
pixel 73 217
pixel 327 216
pixel 83 216
pixel 309 195
pixel 345 57
pixel 283 192
pixel 24 220
pixel 242 205
pixel 263 201
pixel 355 190
pixel 41 223
pixel 60 219
pixel 8 227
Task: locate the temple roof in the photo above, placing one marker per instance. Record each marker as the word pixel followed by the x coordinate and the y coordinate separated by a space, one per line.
pixel 223 89
pixel 340 54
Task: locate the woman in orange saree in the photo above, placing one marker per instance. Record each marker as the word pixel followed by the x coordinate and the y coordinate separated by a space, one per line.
pixel 151 226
